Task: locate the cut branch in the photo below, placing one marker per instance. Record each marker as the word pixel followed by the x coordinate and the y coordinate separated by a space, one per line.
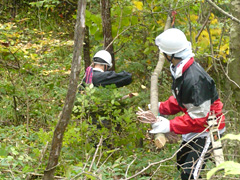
pixel 154 88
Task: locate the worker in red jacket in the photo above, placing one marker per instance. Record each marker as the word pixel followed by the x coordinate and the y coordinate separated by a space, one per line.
pixel 194 93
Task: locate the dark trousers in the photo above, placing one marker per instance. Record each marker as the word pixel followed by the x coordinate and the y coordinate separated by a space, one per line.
pixel 189 155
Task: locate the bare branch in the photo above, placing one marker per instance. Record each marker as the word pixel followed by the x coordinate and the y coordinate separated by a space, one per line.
pixel 224 12
pixel 95 154
pixel 226 73
pixel 130 165
pixel 167 159
pixel 203 26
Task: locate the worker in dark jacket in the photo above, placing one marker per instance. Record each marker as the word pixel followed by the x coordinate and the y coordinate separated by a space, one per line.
pixel 98 73
pixel 194 94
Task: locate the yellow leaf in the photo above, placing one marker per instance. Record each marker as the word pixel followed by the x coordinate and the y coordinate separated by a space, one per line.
pixel 193 17
pixel 138 4
pixel 214 21
pixel 216 32
pixel 148 61
pixel 143 87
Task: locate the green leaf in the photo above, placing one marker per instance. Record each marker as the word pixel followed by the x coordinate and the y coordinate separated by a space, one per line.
pixel 134 20
pixel 229 167
pixel 232 137
pixel 3 152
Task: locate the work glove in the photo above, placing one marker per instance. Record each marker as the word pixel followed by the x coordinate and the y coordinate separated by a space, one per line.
pixel 161 126
pixel 149 106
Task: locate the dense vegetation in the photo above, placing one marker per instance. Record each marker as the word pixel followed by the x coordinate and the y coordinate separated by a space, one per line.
pixel 36 49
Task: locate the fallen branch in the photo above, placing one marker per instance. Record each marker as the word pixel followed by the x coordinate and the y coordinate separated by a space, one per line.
pixel 30 174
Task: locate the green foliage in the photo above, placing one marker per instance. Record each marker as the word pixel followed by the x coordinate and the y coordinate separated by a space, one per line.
pixel 35 60
pixel 45 3
pixel 229 167
pixel 20 152
pixel 232 137
pixel 102 113
pixel 32 74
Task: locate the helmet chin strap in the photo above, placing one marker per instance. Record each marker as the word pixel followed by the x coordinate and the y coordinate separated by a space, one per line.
pixel 170 60
pixel 106 67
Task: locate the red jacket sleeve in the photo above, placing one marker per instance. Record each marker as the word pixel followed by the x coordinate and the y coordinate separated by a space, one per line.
pixel 185 124
pixel 169 107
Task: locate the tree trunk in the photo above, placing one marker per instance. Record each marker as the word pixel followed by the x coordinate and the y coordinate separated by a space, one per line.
pixel 86 49
pixel 107 28
pixel 234 66
pixel 71 94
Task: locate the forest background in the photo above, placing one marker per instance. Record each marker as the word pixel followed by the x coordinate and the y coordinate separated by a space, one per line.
pixel 36 51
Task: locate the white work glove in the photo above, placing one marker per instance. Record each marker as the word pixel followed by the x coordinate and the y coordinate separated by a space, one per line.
pixel 161 126
pixel 149 106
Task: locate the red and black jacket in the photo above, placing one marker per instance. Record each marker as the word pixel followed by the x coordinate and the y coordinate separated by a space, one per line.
pixel 195 94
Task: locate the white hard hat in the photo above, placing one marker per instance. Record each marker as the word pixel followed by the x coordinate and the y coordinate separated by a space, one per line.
pixel 105 56
pixel 171 41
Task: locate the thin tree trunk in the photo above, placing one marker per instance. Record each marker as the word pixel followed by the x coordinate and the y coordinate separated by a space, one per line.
pixel 71 94
pixel 107 28
pixel 86 48
pixel 234 66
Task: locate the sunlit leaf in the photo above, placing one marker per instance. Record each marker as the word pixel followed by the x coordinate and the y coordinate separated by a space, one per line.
pixel 230 168
pixel 138 5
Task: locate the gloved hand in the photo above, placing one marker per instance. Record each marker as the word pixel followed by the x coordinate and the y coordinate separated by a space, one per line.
pixel 149 106
pixel 161 126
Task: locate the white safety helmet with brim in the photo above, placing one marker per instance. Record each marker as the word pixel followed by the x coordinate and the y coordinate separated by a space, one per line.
pixel 171 41
pixel 103 57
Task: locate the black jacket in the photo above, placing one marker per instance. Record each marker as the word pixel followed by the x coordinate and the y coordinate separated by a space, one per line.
pixel 120 79
pixel 194 86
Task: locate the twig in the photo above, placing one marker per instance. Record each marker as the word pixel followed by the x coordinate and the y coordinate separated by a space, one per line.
pixel 226 73
pixel 30 173
pixel 11 172
pixel 221 37
pixel 107 158
pixel 190 25
pixel 83 172
pixel 129 166
pixel 203 26
pixel 95 154
pixel 212 52
pixel 224 12
pixel 118 36
pixel 155 171
pixel 42 154
pixel 169 158
pixel 51 168
pixel 146 116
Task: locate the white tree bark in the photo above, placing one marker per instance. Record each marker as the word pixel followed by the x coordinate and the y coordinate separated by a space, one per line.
pixel 160 139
